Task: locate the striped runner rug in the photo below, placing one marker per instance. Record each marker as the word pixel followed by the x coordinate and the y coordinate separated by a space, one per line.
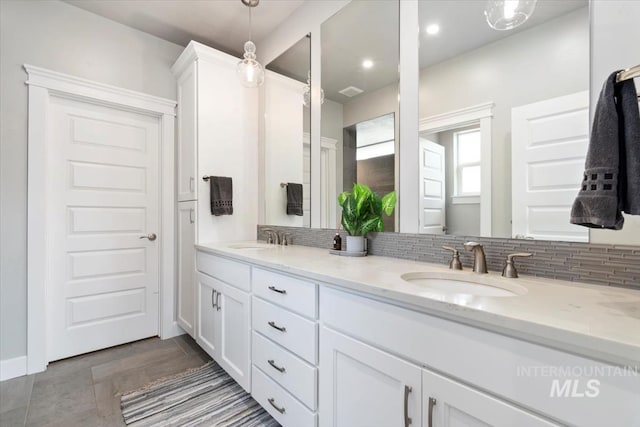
pixel 205 396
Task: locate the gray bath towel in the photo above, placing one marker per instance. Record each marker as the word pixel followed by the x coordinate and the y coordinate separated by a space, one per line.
pixel 221 195
pixel 611 181
pixel 294 199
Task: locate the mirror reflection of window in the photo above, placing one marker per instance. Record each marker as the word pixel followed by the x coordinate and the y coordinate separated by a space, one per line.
pixel 466 146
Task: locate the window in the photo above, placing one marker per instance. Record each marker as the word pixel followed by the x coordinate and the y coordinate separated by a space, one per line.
pixel 466 162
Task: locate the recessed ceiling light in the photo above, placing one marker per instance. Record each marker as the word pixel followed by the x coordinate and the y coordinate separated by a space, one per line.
pixel 433 29
pixel 367 63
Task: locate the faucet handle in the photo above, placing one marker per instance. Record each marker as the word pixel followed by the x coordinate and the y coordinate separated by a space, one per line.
pixel 509 270
pixel 471 245
pixel 284 238
pixel 455 263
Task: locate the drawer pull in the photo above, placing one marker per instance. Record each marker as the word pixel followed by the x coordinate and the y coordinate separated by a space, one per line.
pixel 273 403
pixel 407 419
pixel 274 326
pixel 280 291
pixel 432 402
pixel 276 367
pixel 213 298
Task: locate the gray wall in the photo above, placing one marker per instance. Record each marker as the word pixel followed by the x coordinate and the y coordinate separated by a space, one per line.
pixel 61 37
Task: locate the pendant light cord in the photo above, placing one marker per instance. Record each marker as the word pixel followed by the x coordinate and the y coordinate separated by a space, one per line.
pixel 250 25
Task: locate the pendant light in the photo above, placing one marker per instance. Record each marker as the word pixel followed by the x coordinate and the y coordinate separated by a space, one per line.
pixel 508 14
pixel 250 72
pixel 306 94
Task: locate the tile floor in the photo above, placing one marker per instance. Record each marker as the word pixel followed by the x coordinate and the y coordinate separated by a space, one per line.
pixel 85 390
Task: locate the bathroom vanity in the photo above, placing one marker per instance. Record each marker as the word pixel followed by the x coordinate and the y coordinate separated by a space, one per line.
pixel 334 341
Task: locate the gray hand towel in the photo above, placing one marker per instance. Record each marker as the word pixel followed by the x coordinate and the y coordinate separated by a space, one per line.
pixel 221 195
pixel 611 181
pixel 294 199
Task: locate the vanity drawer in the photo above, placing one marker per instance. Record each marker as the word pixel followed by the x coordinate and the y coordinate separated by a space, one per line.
pixel 234 273
pixel 280 404
pixel 291 372
pixel 290 292
pixel 288 329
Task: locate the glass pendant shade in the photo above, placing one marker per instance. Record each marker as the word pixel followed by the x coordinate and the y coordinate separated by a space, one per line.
pixel 250 72
pixel 306 95
pixel 508 14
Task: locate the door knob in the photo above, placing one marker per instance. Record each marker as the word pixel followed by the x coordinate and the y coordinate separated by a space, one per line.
pixel 151 237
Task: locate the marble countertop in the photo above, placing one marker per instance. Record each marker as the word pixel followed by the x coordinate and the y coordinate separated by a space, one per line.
pixel 597 322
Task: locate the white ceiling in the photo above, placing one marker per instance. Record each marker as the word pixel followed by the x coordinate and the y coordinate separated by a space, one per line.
pixel 364 29
pixel 222 24
pixel 369 29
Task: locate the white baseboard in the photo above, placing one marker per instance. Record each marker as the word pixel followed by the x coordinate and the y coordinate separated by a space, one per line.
pixel 172 331
pixel 11 368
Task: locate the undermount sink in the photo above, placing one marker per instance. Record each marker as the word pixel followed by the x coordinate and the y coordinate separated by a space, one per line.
pixel 252 245
pixel 452 283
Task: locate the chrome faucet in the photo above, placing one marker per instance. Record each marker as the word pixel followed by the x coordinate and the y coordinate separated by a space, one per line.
pixel 272 236
pixel 479 260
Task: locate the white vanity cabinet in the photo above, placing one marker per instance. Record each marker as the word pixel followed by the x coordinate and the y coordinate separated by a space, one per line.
pixel 224 310
pixel 186 295
pixel 216 135
pixel 285 347
pixel 446 402
pixel 186 157
pixel 476 377
pixel 363 386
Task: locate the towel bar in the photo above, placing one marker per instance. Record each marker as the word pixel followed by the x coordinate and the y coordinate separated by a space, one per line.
pixel 206 178
pixel 283 184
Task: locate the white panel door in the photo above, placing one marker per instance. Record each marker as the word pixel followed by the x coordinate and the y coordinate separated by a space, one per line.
pixel 432 188
pixel 449 403
pixel 361 386
pixel 187 267
pixel 549 147
pixel 105 197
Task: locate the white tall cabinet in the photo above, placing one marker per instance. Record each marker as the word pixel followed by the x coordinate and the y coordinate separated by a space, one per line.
pixel 217 135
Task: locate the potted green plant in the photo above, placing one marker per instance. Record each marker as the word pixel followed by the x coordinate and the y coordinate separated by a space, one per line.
pixel 362 211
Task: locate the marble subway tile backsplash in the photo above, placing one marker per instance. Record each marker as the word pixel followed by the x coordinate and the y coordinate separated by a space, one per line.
pixel 590 263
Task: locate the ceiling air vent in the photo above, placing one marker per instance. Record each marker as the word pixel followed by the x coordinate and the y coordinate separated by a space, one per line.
pixel 351 91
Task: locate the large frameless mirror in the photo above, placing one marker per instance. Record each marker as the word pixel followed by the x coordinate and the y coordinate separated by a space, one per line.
pixel 504 120
pixel 359 132
pixel 287 153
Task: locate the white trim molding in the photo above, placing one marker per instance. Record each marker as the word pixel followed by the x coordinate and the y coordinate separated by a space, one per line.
pixel 43 85
pixel 482 115
pixel 12 368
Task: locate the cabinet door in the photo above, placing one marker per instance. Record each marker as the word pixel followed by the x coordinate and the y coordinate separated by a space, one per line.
pixel 186 147
pixel 234 333
pixel 206 328
pixel 363 386
pixel 186 267
pixel 449 403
